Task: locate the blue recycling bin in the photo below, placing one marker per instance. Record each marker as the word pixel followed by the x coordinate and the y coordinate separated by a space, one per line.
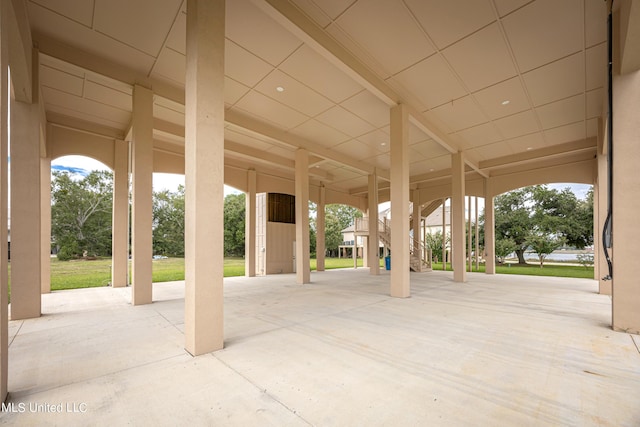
pixel 387 263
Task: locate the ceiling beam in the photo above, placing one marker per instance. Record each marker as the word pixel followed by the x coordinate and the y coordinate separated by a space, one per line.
pixel 84 126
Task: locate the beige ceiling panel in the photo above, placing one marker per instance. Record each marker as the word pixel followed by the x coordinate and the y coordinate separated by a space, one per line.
pixel 244 67
pixel 268 109
pixel 243 138
pixel 507 6
pixel 597 66
pixel 108 96
pixel 162 112
pixel 460 114
pixel 518 124
pixel 87 117
pixel 491 151
pixel 332 8
pixel 60 80
pixel 449 21
pixel 545 30
pixel 429 149
pixel 381 161
pixel 526 143
pixel 167 103
pixel 386 30
pixel 438 163
pixel 345 121
pixel 314 11
pixel 308 67
pixel 250 28
pixel 283 152
pixel 294 94
pixel 80 11
pixel 557 80
pixel 562 112
pixel 568 133
pixel 416 134
pixel 420 167
pixel 233 91
pixel 431 82
pixel 478 135
pixel 177 39
pixel 503 99
pixel 356 150
pixel 84 108
pixel 595 13
pixel 481 59
pixel 120 19
pixel 592 128
pixel 368 107
pixel 378 139
pixel 57 64
pixel 171 65
pixel 595 103
pixel 110 83
pixel 324 135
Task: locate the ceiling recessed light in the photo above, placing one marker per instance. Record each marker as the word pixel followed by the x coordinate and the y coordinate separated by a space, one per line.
pixel 431 170
pixel 505 102
pixel 280 89
pixel 383 143
pixel 529 148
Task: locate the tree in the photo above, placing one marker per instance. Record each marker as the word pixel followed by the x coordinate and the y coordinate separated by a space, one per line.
pixel 337 218
pixel 234 224
pixel 168 222
pixel 503 248
pixel 434 242
pixel 513 219
pixel 544 244
pixel 81 211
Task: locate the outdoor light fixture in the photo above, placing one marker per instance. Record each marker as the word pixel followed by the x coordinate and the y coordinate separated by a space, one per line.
pixel 505 102
pixel 280 89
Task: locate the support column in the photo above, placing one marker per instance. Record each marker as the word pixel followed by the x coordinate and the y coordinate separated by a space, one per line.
pixel 25 211
pixel 444 234
pixel 250 225
pixel 45 225
pixel 204 185
pixel 477 249
pixel 489 229
pixel 626 202
pixel 374 237
pixel 457 223
pixel 469 244
pixel 320 230
pixel 142 211
pixel 120 218
pixel 400 279
pixel 417 237
pixel 600 203
pixel 302 217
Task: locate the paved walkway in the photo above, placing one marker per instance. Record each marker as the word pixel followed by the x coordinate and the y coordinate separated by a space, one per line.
pixel 496 351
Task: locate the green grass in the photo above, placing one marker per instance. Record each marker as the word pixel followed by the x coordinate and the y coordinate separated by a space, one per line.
pixel 554 270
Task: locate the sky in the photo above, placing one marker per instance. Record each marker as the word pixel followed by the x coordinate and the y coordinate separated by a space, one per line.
pixel 168 181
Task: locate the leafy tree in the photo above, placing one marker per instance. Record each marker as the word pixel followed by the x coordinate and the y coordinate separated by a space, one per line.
pixel 337 218
pixel 168 222
pixel 513 219
pixel 312 228
pixel 81 211
pixel 234 224
pixel 434 241
pixel 544 244
pixel 503 248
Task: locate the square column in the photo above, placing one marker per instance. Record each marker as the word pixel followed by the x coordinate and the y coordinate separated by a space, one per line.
pixel 142 200
pixel 120 217
pixel 204 177
pixel 45 225
pixel 26 271
pixel 374 238
pixel 303 272
pixel 417 236
pixel 320 230
pixel 626 202
pixel 400 258
pixel 458 245
pixel 250 225
pixel 489 229
pixel 600 204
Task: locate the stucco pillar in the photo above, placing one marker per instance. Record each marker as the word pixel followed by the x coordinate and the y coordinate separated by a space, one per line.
pixel 45 225
pixel 4 203
pixel 417 237
pixel 26 270
pixel 374 238
pixel 204 178
pixel 142 188
pixel 120 217
pixel 469 235
pixel 302 217
pixel 601 204
pixel 250 225
pixel 489 229
pixel 626 202
pixel 458 223
pixel 320 230
pixel 400 279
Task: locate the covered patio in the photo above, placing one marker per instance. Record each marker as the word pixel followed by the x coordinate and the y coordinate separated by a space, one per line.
pixel 498 350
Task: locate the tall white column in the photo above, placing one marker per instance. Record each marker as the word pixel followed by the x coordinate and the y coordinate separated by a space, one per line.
pixel 601 203
pixel 469 245
pixel 458 223
pixel 120 217
pixel 400 279
pixel 320 230
pixel 374 238
pixel 302 217
pixel 142 188
pixel 250 225
pixel 45 225
pixel 417 237
pixel 489 229
pixel 204 185
pixel 444 234
pixel 477 234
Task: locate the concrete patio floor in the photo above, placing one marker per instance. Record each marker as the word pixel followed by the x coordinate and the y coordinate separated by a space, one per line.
pixel 496 351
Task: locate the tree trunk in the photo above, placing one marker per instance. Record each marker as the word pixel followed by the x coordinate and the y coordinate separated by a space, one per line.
pixel 520 254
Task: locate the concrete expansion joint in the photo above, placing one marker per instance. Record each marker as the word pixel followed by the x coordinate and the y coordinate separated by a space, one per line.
pixel 635 340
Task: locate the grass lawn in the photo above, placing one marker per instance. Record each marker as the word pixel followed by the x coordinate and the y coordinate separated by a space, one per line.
pixel 555 270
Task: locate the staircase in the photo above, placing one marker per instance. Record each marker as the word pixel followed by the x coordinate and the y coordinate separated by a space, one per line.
pixel 419 254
